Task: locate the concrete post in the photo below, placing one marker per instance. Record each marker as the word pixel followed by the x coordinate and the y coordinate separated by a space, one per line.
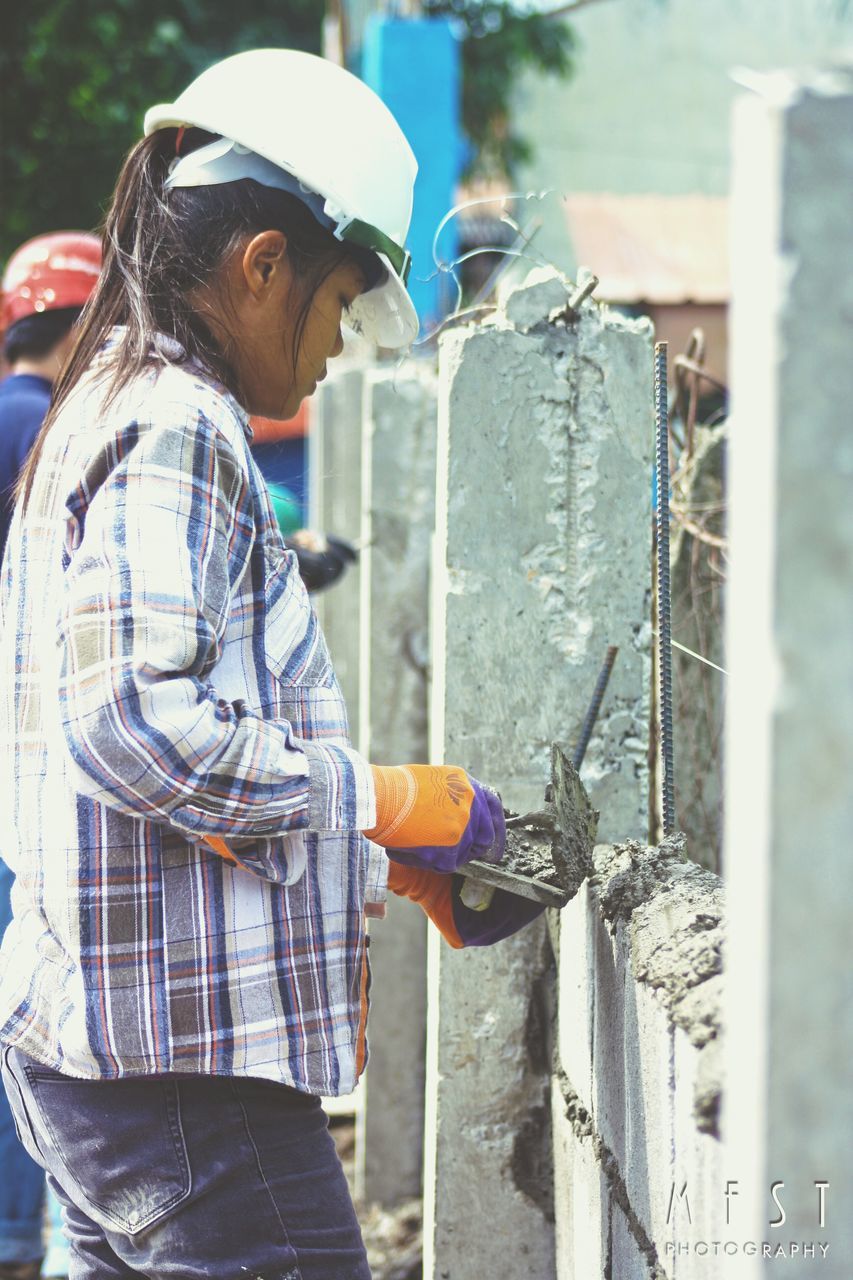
pixel 789 734
pixel 542 561
pixel 398 518
pixel 335 507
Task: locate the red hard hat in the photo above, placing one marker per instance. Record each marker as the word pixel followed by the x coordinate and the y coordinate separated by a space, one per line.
pixel 49 272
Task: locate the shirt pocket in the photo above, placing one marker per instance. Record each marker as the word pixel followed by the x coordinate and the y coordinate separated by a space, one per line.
pixel 295 648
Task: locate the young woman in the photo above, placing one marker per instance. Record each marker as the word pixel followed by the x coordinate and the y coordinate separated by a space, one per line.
pixel 186 968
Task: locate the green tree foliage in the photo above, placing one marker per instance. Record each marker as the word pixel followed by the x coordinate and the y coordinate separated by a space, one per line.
pixel 76 77
pixel 500 42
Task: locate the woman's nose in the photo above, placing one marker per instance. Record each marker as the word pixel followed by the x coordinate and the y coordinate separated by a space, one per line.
pixel 338 345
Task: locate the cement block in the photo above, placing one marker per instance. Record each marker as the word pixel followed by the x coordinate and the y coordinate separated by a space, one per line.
pixel 389 1154
pixel 541 563
pixel 789 728
pixel 627 1260
pixel 699 1172
pixel 397 528
pixel 575 993
pixel 581 1198
pixel 649 1115
pixel 632 1080
pixel 609 1083
pixel 544 560
pixel 529 302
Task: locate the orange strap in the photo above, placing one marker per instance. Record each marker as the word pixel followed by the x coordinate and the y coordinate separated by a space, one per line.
pixel 218 845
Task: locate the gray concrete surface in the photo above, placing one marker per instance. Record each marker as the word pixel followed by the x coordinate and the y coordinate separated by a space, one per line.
pixel 335 507
pixel 542 560
pixel 639 1024
pixel 397 522
pixel 489 1188
pixel 789 730
pixel 545 508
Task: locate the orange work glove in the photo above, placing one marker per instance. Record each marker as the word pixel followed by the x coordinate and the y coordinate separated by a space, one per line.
pixel 436 816
pixel 440 897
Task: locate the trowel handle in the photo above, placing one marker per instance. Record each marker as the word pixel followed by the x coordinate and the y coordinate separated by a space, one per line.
pixel 476 896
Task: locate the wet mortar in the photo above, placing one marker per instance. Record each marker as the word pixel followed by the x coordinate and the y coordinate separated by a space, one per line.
pixel 554 844
pixel 528 851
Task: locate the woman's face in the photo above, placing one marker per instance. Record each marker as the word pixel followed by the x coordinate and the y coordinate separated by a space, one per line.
pixel 266 302
pixel 321 337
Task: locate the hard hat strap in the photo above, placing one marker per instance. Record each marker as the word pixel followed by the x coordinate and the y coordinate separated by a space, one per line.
pixel 368 237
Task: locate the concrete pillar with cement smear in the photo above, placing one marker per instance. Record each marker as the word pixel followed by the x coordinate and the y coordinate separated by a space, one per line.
pixel 542 561
pixel 398 519
pixel 788 1105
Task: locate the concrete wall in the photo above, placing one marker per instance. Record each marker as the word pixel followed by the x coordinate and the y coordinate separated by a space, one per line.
pixel 544 527
pixel 572 1072
pixel 636 1090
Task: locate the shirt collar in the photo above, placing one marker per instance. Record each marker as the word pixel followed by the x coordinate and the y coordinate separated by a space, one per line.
pixel 168 350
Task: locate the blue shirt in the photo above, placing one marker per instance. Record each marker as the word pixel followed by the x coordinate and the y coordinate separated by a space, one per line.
pixel 24 401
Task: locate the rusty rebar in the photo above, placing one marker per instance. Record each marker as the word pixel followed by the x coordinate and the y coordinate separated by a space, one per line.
pixel 584 289
pixel 594 706
pixel 664 590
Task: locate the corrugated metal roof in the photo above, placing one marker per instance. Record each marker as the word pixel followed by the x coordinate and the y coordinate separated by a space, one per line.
pixel 650 248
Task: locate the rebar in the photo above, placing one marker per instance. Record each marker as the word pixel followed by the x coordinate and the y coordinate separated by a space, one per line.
pixel 594 706
pixel 664 590
pixel 584 289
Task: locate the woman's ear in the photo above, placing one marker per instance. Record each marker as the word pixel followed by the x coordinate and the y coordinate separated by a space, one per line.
pixel 265 262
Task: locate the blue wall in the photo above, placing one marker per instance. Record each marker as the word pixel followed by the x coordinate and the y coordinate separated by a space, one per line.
pixel 413 64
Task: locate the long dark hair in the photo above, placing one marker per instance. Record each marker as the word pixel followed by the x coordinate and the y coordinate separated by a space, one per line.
pixel 159 246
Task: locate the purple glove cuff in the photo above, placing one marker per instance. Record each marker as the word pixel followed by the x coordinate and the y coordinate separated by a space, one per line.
pixel 505 915
pixel 484 837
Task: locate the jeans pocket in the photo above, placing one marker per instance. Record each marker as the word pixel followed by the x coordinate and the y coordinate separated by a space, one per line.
pixel 119 1142
pixel 18 1109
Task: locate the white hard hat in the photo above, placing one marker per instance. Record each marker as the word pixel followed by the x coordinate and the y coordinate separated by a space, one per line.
pixel 326 128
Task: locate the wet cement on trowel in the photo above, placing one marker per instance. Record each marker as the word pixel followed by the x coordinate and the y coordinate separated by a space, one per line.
pixel 553 845
pixel 528 849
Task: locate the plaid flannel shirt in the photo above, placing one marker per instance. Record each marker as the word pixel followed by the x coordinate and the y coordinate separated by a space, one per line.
pixel 163 679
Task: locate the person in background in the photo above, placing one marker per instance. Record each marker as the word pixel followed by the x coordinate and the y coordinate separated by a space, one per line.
pixel 45 285
pixel 195 840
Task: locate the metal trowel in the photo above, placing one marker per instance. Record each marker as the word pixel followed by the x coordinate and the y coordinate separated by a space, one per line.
pixel 548 852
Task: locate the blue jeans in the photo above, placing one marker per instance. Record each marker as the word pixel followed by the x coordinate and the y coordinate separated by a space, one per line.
pixel 21 1181
pixel 189 1177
